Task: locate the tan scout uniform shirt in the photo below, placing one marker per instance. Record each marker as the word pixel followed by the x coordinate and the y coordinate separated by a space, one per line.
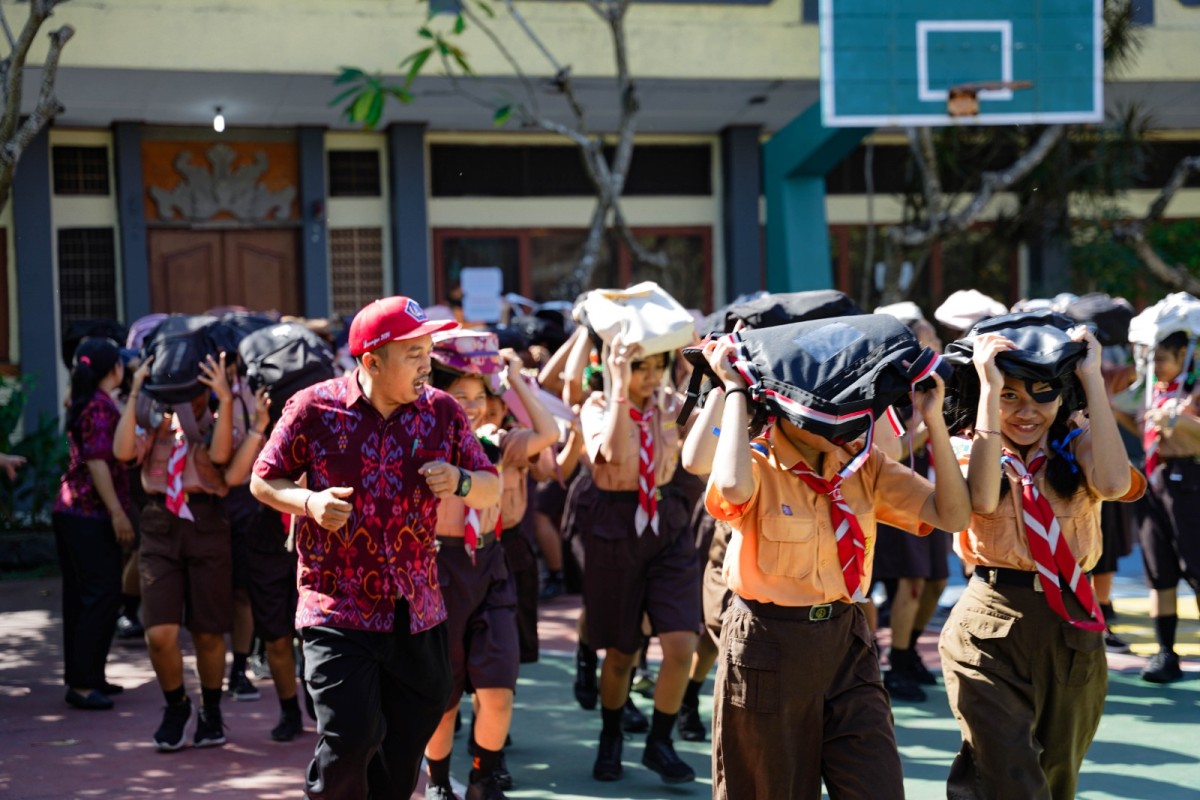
pixel 624 477
pixel 999 539
pixel 200 475
pixel 782 549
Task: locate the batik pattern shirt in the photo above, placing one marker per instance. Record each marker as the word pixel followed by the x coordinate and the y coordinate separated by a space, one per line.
pixel 351 577
pixel 97 425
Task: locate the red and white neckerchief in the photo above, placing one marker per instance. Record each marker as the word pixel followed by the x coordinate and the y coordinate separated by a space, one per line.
pixel 851 541
pixel 1049 547
pixel 647 510
pixel 471 531
pixel 1150 437
pixel 176 499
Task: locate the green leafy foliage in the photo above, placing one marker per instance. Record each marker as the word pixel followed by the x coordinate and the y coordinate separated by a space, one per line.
pixel 364 101
pixel 28 501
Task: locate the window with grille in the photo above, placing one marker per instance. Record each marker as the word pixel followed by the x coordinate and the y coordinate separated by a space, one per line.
pixel 87 274
pixel 356 268
pixel 354 173
pixel 80 170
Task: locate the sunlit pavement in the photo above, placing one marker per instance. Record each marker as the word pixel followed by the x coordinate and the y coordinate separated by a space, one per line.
pixel 1146 746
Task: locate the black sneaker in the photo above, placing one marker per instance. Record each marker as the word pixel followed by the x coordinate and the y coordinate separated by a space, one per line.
pixel 240 688
pixel 504 778
pixel 436 791
pixel 1115 644
pixel 690 726
pixel 1163 668
pixel 288 727
pixel 552 588
pixel 587 691
pixel 608 758
pixel 632 718
pixel 129 628
pixel 486 789
pixel 660 756
pixel 901 685
pixel 171 734
pixel 210 728
pixel 910 662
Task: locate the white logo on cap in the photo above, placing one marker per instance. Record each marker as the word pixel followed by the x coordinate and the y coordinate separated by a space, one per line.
pixel 383 337
pixel 414 310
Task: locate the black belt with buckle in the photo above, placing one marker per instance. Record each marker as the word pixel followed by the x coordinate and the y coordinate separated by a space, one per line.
pixel 1003 576
pixel 818 613
pixel 461 541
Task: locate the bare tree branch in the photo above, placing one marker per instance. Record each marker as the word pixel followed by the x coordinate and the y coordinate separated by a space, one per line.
pixel 47 105
pixel 1183 171
pixel 589 256
pixel 530 91
pixel 1176 277
pixel 533 37
pixel 920 142
pixel 941 220
pixel 8 34
pixel 639 251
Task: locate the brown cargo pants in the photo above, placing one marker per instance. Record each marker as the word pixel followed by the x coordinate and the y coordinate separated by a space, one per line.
pixel 798 702
pixel 1027 689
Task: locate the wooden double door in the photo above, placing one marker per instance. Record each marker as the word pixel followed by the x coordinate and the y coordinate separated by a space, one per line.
pixel 192 271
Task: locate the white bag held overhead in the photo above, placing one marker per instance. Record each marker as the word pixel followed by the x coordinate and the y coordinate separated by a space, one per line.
pixel 1174 313
pixel 643 314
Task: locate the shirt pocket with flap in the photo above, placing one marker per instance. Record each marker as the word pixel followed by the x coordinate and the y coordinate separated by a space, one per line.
pixel 787 543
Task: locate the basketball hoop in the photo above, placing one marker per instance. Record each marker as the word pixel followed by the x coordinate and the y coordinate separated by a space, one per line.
pixel 963 100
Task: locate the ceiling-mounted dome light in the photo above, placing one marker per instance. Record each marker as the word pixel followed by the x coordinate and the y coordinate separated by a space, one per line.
pixel 219 121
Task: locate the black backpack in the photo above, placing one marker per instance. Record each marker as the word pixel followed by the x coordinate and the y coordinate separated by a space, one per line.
pixel 285 357
pixel 833 377
pixel 771 310
pixel 1108 316
pixel 244 323
pixel 79 330
pixel 179 344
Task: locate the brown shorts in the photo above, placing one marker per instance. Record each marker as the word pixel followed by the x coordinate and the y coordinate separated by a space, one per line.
pixel 481 601
pixel 627 574
pixel 185 567
pixel 797 701
pixel 272 576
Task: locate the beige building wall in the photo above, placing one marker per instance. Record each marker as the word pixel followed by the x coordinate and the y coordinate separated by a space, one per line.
pixel 666 40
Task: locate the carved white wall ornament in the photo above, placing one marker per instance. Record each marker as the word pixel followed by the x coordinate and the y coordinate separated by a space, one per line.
pixel 205 193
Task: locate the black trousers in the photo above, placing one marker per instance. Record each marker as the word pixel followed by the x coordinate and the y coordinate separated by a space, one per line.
pixel 91 564
pixel 378 697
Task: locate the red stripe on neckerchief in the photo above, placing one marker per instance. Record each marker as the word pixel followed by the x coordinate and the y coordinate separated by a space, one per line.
pixel 851 541
pixel 647 510
pixel 471 532
pixel 1150 438
pixel 176 499
pixel 1049 547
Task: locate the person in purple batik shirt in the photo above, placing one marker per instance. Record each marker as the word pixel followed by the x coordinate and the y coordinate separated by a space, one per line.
pixel 377 449
pixel 91 524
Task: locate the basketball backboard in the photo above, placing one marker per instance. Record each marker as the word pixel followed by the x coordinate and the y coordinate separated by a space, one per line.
pixel 897 62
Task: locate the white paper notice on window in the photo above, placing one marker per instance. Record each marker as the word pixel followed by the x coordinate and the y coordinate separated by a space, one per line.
pixel 482 289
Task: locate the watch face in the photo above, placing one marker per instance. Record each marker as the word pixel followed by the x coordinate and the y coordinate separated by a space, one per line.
pixel 464 484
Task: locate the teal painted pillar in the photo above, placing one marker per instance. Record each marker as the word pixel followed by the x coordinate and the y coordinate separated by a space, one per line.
pixel 795 161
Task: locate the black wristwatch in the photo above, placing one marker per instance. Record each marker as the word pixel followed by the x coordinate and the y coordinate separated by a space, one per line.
pixel 464 483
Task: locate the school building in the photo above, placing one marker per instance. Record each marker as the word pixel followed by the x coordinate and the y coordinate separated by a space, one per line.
pixel 132 203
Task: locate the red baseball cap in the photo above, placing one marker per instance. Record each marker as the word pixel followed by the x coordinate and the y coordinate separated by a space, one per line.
pixel 390 319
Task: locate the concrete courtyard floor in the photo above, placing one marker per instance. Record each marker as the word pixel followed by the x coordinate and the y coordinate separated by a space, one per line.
pixel 1148 745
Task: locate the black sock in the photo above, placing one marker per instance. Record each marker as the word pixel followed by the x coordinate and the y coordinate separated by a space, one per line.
pixel 691 695
pixel 661 726
pixel 211 698
pixel 484 764
pixel 239 664
pixel 1109 615
pixel 555 575
pixel 175 696
pixel 586 654
pixel 130 604
pixel 290 705
pixel 439 771
pixel 1164 631
pixel 611 720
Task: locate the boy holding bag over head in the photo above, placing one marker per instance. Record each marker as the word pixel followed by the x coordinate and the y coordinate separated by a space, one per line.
pixel 799 696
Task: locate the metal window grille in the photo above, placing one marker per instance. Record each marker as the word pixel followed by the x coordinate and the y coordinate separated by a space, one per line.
pixel 356 267
pixel 87 274
pixel 80 170
pixel 354 173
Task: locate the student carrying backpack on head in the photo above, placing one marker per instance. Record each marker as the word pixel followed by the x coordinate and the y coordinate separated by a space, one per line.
pixel 799 696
